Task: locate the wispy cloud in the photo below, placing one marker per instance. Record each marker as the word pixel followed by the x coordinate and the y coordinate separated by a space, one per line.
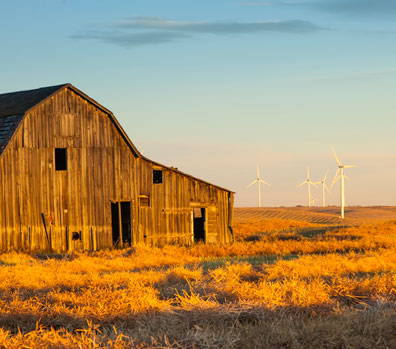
pixel 291 26
pixel 131 39
pixel 354 76
pixel 357 7
pixel 348 7
pixel 138 31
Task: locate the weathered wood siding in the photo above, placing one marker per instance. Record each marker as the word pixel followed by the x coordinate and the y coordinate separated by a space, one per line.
pixel 101 169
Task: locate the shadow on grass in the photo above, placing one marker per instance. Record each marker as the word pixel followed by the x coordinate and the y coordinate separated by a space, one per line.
pixel 227 326
pixel 213 263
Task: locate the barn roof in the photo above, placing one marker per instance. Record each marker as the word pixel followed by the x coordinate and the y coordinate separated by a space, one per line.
pixel 14 106
pixel 15 103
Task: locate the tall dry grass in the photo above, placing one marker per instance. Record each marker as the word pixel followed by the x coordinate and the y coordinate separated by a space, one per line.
pixel 338 291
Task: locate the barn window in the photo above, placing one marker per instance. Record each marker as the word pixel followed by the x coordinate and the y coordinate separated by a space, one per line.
pixel 76 235
pixel 157 176
pixel 60 159
pixel 144 201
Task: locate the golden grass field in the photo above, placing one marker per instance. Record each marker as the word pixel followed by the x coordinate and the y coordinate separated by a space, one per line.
pixel 286 282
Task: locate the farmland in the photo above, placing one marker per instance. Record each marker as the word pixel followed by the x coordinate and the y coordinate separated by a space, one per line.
pixel 289 280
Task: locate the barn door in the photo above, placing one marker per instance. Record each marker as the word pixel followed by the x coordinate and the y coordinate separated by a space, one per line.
pixel 121 223
pixel 199 226
pixel 211 225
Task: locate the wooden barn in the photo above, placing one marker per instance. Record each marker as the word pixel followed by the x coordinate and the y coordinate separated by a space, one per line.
pixel 70 178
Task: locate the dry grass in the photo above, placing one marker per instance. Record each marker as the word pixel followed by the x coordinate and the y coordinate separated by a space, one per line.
pixel 320 288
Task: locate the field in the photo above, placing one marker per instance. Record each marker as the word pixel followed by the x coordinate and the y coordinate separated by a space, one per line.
pixel 327 215
pixel 290 281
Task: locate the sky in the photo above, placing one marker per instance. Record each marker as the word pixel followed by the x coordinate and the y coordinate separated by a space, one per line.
pixel 215 87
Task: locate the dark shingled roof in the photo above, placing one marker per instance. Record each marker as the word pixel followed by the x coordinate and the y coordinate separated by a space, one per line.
pixel 14 105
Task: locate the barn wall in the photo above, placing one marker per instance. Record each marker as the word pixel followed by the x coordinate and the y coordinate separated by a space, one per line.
pixel 101 169
pixel 168 219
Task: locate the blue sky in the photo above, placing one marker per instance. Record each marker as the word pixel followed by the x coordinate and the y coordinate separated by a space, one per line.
pixel 213 87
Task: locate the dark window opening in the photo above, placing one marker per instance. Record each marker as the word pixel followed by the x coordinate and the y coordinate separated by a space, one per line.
pixel 199 215
pixel 60 159
pixel 76 235
pixel 144 201
pixel 157 176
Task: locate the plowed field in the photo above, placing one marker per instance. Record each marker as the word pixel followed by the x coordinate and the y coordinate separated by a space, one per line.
pixel 355 215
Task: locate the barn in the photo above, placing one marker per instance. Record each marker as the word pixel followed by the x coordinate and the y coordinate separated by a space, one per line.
pixel 71 179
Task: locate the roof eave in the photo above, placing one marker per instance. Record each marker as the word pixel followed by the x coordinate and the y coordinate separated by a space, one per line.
pixel 185 174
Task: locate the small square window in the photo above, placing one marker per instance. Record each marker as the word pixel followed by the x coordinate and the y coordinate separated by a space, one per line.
pixel 60 159
pixel 157 176
pixel 144 201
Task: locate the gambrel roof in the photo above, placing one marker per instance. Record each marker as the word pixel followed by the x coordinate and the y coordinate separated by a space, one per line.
pixel 15 105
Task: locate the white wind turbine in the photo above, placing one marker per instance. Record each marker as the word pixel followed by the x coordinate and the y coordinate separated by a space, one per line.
pixel 324 187
pixel 258 180
pixel 313 201
pixel 340 175
pixel 309 182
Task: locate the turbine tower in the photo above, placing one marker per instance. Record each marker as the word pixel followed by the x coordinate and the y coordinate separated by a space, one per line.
pixel 309 182
pixel 313 201
pixel 258 180
pixel 340 175
pixel 324 187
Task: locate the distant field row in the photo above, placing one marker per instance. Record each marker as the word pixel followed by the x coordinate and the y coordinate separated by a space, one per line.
pixel 327 215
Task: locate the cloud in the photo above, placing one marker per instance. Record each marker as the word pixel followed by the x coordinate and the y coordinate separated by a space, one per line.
pixel 131 39
pixel 357 7
pixel 355 76
pixel 139 31
pixel 347 7
pixel 291 26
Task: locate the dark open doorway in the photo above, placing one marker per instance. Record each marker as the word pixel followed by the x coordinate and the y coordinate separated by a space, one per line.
pixel 115 223
pixel 126 222
pixel 199 215
pixel 121 218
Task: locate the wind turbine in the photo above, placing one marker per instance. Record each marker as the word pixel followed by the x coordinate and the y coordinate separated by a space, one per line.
pixel 309 182
pixel 340 175
pixel 313 201
pixel 258 180
pixel 324 187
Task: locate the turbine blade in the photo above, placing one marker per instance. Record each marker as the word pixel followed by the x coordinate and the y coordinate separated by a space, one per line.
pixel 335 156
pixel 308 172
pixel 258 171
pixel 350 166
pixel 252 183
pixel 301 184
pixel 347 177
pixel 314 184
pixel 265 182
pixel 325 186
pixel 325 177
pixel 335 179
